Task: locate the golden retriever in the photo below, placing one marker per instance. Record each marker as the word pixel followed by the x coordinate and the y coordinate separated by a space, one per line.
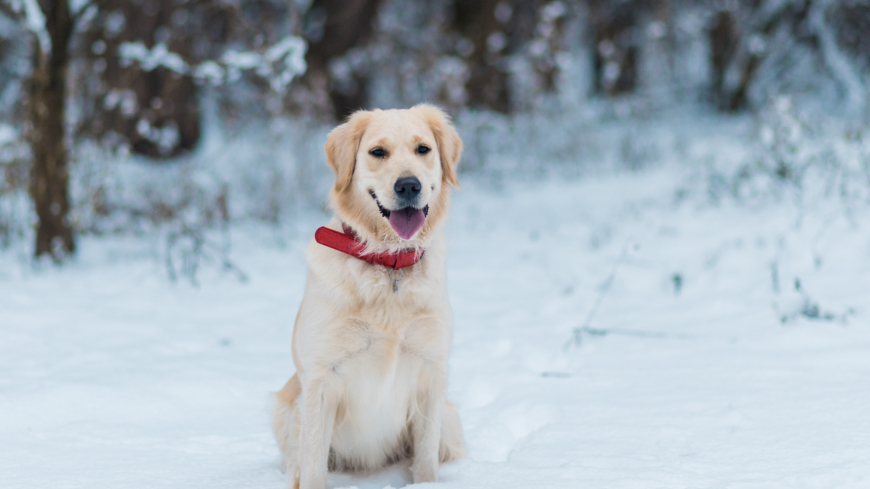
pixel 370 342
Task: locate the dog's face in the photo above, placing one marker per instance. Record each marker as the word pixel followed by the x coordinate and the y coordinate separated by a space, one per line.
pixel 393 172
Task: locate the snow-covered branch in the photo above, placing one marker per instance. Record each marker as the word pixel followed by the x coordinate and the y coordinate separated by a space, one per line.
pixel 840 66
pixel 34 20
pixel 150 59
pixel 77 7
pixel 84 11
pixel 279 64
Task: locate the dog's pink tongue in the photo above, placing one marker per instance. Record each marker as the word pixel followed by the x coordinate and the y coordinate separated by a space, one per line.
pixel 407 221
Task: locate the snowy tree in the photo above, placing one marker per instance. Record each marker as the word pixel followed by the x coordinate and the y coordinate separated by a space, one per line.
pixel 336 84
pixel 783 46
pixel 130 75
pixel 143 66
pixel 52 25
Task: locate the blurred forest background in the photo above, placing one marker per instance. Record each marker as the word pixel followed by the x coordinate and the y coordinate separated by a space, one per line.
pixel 182 116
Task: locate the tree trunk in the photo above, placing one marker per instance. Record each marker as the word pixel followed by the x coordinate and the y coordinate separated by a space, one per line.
pixel 335 27
pixel 49 175
pixel 723 39
pixel 155 111
pixel 488 85
pixel 616 48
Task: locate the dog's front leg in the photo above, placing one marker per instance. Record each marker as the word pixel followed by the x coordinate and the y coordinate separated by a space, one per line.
pixel 318 418
pixel 426 423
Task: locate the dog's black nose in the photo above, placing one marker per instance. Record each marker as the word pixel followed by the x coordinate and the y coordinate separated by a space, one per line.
pixel 408 188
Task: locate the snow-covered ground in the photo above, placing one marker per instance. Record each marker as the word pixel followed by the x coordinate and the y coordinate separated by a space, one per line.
pixel 686 374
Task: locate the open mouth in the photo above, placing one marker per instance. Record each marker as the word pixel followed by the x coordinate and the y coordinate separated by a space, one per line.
pixel 406 221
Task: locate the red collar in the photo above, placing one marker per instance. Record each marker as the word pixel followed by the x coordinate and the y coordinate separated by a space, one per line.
pixel 346 242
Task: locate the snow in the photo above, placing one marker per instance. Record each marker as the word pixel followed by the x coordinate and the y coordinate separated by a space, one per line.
pixel 115 377
pixel 8 134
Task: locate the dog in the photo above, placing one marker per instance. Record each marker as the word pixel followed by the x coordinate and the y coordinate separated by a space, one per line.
pixel 375 327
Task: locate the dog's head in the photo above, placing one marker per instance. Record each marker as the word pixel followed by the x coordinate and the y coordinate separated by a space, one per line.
pixel 394 170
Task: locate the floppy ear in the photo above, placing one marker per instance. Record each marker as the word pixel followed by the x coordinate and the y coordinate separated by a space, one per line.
pixel 449 144
pixel 342 145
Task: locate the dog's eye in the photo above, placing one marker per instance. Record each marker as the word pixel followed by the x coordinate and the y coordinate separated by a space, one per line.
pixel 378 153
pixel 423 149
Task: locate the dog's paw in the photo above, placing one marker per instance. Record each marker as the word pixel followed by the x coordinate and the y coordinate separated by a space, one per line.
pixel 424 473
pixel 308 482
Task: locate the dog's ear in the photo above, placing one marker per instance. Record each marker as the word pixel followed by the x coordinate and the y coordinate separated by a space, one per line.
pixel 449 143
pixel 342 145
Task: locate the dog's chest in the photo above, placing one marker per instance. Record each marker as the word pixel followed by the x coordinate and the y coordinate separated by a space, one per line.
pixel 388 347
pixel 381 386
pixel 388 290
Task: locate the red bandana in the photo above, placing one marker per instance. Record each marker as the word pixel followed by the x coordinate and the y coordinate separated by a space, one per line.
pixel 346 242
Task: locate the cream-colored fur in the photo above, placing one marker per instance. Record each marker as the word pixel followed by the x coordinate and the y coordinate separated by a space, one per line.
pixel 371 362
